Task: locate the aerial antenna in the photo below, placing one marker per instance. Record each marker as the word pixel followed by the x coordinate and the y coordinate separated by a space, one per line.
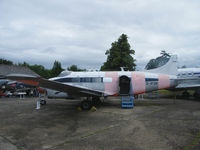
pixel 122 68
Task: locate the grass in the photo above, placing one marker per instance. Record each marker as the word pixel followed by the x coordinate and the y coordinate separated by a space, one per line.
pixel 167 92
pixel 194 142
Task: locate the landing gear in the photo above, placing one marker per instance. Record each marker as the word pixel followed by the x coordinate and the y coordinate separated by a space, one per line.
pixel 43 102
pixel 86 104
pixel 197 94
pixel 96 101
pixel 92 101
pixel 185 94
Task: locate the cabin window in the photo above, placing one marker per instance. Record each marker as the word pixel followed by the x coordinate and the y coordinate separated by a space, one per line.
pixel 86 79
pixel 75 80
pixel 189 74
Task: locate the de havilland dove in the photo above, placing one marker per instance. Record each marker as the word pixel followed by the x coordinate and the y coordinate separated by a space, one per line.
pixel 94 85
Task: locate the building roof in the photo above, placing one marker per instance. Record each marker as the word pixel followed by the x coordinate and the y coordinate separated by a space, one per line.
pixel 9 69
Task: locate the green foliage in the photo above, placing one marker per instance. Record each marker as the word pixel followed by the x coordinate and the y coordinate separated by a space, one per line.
pixel 159 61
pixel 194 142
pixel 42 71
pixel 57 69
pixel 163 53
pixel 75 68
pixel 25 64
pixel 5 62
pixel 39 69
pixel 119 55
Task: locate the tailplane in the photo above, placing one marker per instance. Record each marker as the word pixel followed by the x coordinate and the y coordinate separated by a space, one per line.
pixel 171 67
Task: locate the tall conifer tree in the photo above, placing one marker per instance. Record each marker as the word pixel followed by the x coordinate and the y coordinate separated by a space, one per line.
pixel 119 55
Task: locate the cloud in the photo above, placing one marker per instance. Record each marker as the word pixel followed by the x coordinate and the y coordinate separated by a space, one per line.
pixel 79 32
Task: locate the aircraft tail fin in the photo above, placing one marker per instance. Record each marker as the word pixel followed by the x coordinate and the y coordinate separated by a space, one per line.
pixel 171 67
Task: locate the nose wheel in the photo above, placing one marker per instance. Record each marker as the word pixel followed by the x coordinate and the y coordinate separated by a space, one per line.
pixel 43 102
pixel 96 101
pixel 186 94
pixel 86 104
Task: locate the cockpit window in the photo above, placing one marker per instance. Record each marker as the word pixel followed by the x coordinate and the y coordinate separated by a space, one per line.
pixel 64 73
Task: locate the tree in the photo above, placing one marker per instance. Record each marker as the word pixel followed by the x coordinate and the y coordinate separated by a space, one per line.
pixel 159 61
pixel 39 69
pixel 57 69
pixel 25 64
pixel 119 55
pixel 42 71
pixel 6 62
pixel 75 68
pixel 163 53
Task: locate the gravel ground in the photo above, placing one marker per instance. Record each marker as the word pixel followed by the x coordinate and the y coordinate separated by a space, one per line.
pixel 153 124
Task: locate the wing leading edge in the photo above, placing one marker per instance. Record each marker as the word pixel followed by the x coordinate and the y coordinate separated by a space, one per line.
pixel 72 90
pixel 188 83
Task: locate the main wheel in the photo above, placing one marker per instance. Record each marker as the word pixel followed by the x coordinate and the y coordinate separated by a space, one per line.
pixel 185 94
pixel 196 95
pixel 43 102
pixel 86 104
pixel 96 101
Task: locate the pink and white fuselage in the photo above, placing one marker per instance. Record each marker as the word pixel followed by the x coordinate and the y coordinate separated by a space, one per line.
pixel 109 82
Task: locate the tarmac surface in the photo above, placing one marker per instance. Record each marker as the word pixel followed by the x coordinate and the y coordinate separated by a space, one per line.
pixel 153 124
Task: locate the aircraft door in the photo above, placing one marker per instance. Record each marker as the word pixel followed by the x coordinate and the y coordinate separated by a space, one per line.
pixel 124 85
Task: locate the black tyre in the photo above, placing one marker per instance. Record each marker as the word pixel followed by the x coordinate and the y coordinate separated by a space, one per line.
pixel 43 102
pixel 196 95
pixel 186 95
pixel 86 104
pixel 96 101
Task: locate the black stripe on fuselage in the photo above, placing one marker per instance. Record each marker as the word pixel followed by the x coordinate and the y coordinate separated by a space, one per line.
pixel 81 79
pixel 91 79
pixel 151 79
pixel 196 73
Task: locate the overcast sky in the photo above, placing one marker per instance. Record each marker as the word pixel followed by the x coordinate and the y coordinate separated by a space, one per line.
pixel 80 31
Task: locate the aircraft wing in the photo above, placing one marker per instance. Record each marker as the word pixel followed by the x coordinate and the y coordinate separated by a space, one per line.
pixel 72 90
pixel 189 83
pixel 187 86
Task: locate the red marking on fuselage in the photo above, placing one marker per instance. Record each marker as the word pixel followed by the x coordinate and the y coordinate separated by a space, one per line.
pixel 138 82
pixel 163 81
pixel 112 87
pixel 30 82
pixel 165 88
pixel 139 93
